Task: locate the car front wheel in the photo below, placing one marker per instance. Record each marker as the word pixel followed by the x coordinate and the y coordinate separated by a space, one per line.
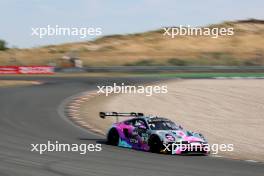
pixel 155 144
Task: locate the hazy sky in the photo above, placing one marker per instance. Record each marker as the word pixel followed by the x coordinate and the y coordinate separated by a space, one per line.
pixel 17 17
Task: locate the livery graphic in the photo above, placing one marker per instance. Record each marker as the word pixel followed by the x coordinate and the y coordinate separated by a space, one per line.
pixel 154 134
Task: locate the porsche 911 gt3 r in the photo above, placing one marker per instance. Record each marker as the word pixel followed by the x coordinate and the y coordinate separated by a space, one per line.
pixel 154 134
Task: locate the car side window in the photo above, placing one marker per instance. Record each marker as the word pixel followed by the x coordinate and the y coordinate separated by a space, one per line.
pixel 129 122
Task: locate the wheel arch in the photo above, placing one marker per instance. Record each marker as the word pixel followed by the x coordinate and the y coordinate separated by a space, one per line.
pixel 154 136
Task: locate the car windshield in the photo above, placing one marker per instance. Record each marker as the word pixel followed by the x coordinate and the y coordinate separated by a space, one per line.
pixel 163 125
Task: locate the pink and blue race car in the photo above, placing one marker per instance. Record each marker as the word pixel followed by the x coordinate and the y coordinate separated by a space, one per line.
pixel 154 134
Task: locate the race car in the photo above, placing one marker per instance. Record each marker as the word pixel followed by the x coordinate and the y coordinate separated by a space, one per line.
pixel 154 134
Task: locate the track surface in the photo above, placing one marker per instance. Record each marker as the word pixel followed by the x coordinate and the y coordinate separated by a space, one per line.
pixel 30 115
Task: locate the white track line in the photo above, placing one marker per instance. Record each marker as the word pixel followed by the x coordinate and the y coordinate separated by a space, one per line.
pixel 252 161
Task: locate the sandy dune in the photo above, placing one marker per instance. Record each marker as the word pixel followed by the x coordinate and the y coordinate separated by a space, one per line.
pixel 225 111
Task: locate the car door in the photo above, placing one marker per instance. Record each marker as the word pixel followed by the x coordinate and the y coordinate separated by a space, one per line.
pixel 139 134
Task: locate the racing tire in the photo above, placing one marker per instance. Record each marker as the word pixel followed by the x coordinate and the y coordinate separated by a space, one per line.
pixel 155 144
pixel 113 137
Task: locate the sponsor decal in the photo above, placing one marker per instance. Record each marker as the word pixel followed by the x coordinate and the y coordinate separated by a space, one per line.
pixel 26 70
pixel 9 70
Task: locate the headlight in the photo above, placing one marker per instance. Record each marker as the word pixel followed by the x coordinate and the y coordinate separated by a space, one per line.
pixel 202 136
pixel 169 137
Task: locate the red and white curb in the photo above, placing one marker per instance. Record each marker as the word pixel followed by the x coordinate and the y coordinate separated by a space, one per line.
pixel 72 110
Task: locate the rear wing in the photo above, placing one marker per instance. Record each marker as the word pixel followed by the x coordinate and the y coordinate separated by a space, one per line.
pixel 103 115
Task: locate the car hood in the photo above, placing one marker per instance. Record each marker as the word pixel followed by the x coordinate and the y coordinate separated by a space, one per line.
pixel 180 135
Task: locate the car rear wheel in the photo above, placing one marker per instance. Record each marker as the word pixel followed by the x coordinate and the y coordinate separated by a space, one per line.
pixel 113 137
pixel 155 144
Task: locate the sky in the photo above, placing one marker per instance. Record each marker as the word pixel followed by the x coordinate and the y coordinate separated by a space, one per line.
pixel 18 17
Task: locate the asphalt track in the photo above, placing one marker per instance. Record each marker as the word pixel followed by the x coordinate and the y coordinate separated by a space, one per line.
pixel 30 115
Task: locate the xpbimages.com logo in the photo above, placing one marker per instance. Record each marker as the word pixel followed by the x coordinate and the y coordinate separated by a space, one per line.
pixel 214 32
pixel 196 147
pixel 60 147
pixel 57 30
pixel 129 89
